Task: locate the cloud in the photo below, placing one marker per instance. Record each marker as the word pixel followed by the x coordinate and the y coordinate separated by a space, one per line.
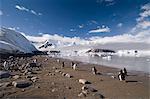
pixel 100 30
pixel 108 2
pixel 119 24
pixel 81 26
pixel 143 21
pixel 145 13
pixel 22 8
pixel 72 30
pixel 1 13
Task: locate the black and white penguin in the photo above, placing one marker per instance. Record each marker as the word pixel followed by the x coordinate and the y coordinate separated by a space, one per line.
pixel 74 66
pixel 121 76
pixel 63 65
pixel 94 71
pixel 124 71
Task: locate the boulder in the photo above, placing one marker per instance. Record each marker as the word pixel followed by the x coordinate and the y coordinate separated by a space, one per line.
pixel 68 75
pixel 4 74
pixel 21 84
pixel 89 88
pixel 83 81
pixel 16 77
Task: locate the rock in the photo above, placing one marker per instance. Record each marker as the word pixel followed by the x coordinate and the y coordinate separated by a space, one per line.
pixel 34 79
pixel 21 84
pixel 83 81
pixel 68 75
pixel 4 74
pixel 57 71
pixel 53 90
pixel 6 84
pixel 32 65
pixel 53 83
pixel 85 92
pixel 37 87
pixel 1 95
pixel 67 87
pixel 113 77
pixel 23 90
pixel 63 74
pixel 16 77
pixel 29 76
pixel 81 95
pixel 54 67
pixel 98 96
pixel 89 88
pixel 51 74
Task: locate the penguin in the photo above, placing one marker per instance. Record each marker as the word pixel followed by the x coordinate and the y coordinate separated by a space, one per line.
pixel 74 66
pixel 63 65
pixel 121 76
pixel 125 71
pixel 94 71
pixel 6 65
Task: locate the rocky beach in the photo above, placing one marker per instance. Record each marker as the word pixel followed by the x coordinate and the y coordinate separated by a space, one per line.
pixel 45 77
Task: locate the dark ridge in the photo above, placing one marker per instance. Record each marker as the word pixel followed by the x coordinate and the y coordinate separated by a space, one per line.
pixel 6 55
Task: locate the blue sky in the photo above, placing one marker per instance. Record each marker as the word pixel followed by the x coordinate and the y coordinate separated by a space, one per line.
pixel 80 18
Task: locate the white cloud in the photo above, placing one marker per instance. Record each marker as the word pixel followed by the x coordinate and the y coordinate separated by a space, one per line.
pixel 22 8
pixel 72 30
pixel 1 13
pixel 100 30
pixel 145 13
pixel 119 24
pixel 81 26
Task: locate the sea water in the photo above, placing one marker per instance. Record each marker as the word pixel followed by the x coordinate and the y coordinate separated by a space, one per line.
pixel 130 63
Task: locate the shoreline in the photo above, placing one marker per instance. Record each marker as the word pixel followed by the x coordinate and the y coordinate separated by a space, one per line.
pixel 134 71
pixel 52 84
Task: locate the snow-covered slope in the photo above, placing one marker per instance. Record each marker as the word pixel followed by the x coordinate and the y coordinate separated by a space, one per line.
pixel 14 42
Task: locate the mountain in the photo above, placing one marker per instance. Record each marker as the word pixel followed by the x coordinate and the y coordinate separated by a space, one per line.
pixel 14 42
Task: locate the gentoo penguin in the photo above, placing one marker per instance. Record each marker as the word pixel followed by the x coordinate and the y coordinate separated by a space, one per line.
pixel 63 65
pixel 74 66
pixel 121 76
pixel 72 63
pixel 94 71
pixel 6 65
pixel 124 71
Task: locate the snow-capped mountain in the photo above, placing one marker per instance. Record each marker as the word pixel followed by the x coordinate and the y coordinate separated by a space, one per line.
pixel 14 42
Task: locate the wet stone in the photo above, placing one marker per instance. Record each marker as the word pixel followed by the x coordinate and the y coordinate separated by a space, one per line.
pixel 21 84
pixel 4 74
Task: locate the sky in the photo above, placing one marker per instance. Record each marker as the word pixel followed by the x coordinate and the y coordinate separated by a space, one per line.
pixel 84 19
